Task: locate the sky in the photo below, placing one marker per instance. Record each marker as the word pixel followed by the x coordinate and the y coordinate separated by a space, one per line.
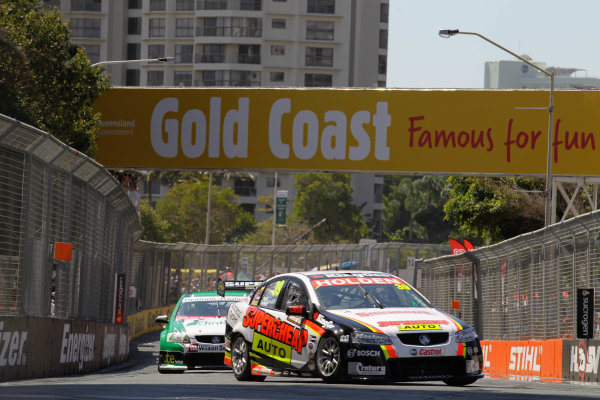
pixel 558 32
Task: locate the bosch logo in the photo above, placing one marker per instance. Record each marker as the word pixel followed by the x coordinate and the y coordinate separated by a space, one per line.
pixel 351 353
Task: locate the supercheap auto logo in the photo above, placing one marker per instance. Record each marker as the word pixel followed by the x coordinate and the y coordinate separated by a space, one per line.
pixel 275 328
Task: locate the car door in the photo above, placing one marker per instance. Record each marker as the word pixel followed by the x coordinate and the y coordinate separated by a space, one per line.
pixel 264 339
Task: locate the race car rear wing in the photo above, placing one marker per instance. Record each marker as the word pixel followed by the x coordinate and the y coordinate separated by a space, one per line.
pixel 248 286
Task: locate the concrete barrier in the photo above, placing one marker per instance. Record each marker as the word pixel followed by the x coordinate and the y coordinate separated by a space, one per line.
pixel 35 347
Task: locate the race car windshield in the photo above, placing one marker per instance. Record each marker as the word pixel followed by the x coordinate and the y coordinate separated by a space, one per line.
pixel 376 296
pixel 203 309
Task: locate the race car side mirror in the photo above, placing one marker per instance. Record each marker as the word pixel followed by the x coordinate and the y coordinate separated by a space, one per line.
pixel 297 310
pixel 162 319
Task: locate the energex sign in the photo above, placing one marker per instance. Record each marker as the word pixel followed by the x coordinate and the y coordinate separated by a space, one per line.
pixel 585 313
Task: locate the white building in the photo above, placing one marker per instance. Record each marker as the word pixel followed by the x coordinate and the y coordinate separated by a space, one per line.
pixel 272 43
pixel 515 74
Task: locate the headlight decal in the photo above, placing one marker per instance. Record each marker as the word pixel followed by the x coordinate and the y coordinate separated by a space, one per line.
pixel 462 350
pixel 388 349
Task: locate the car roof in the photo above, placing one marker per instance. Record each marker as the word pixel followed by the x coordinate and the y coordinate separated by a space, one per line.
pixel 340 273
pixel 212 294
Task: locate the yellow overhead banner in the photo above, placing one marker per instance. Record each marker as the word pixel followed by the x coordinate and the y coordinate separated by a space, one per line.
pixel 354 130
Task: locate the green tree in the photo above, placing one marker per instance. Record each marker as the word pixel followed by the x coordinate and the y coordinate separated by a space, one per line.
pixel 45 81
pixel 413 208
pixel 326 195
pixel 184 210
pixel 155 229
pixel 495 209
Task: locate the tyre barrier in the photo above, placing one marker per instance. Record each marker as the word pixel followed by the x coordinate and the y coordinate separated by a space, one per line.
pixel 37 347
pixel 546 360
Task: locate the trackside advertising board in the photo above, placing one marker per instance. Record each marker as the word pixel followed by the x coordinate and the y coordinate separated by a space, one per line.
pixel 369 130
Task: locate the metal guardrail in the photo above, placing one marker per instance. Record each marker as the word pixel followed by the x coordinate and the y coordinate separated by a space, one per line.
pixel 51 193
pixel 523 288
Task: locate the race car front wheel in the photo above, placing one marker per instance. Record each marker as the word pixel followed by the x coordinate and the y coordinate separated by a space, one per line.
pixel 329 359
pixel 240 361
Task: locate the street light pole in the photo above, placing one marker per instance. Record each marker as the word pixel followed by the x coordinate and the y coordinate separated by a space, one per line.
pixel 159 59
pixel 549 206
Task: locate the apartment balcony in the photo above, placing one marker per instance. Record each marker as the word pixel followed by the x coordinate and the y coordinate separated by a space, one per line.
pixel 228 59
pixel 228 31
pixel 247 5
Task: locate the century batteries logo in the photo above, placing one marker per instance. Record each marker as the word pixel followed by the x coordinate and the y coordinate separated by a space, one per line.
pixel 275 328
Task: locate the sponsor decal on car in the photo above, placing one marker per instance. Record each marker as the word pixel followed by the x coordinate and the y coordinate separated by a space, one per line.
pixel 356 281
pixel 426 352
pixel 272 348
pixel 417 322
pixel 420 327
pixel 358 368
pixel 274 328
pixel 351 353
pixel 324 321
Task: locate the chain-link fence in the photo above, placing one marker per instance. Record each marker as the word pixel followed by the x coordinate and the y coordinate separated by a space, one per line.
pixel 50 193
pixel 161 272
pixel 525 287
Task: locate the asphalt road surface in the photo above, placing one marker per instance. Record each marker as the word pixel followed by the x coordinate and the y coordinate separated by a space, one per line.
pixel 139 379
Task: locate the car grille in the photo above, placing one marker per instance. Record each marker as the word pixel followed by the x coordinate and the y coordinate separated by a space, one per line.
pixel 426 368
pixel 208 339
pixel 412 339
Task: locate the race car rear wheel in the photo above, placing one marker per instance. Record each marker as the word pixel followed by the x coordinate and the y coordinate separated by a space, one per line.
pixel 329 359
pixel 240 361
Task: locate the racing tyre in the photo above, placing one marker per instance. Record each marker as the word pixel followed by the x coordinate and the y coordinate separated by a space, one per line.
pixel 329 359
pixel 240 361
pixel 460 381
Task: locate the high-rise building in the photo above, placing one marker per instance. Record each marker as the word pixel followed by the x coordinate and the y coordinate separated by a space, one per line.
pixel 515 74
pixel 242 43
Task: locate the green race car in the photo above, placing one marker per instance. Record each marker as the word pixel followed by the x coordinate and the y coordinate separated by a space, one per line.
pixel 194 335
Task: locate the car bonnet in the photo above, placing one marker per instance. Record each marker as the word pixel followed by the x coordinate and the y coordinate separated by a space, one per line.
pixel 398 320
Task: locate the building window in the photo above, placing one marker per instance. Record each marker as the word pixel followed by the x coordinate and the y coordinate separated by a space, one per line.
pixel 86 5
pixel 182 78
pixel 184 5
pixel 319 56
pixel 133 51
pixel 85 27
pixel 278 23
pixel 382 68
pixel 277 76
pixel 320 6
pixel 244 187
pixel 212 4
pixel 249 54
pixel 213 53
pixel 184 53
pixel 271 182
pixel 92 51
pixel 157 5
pixel 244 78
pixel 384 13
pixel 156 78
pixel 184 27
pixel 135 4
pixel 277 50
pixel 156 50
pixel 213 78
pixel 132 77
pixel 253 5
pixel 319 30
pixel 157 27
pixel 318 80
pixel 383 38
pixel 134 26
